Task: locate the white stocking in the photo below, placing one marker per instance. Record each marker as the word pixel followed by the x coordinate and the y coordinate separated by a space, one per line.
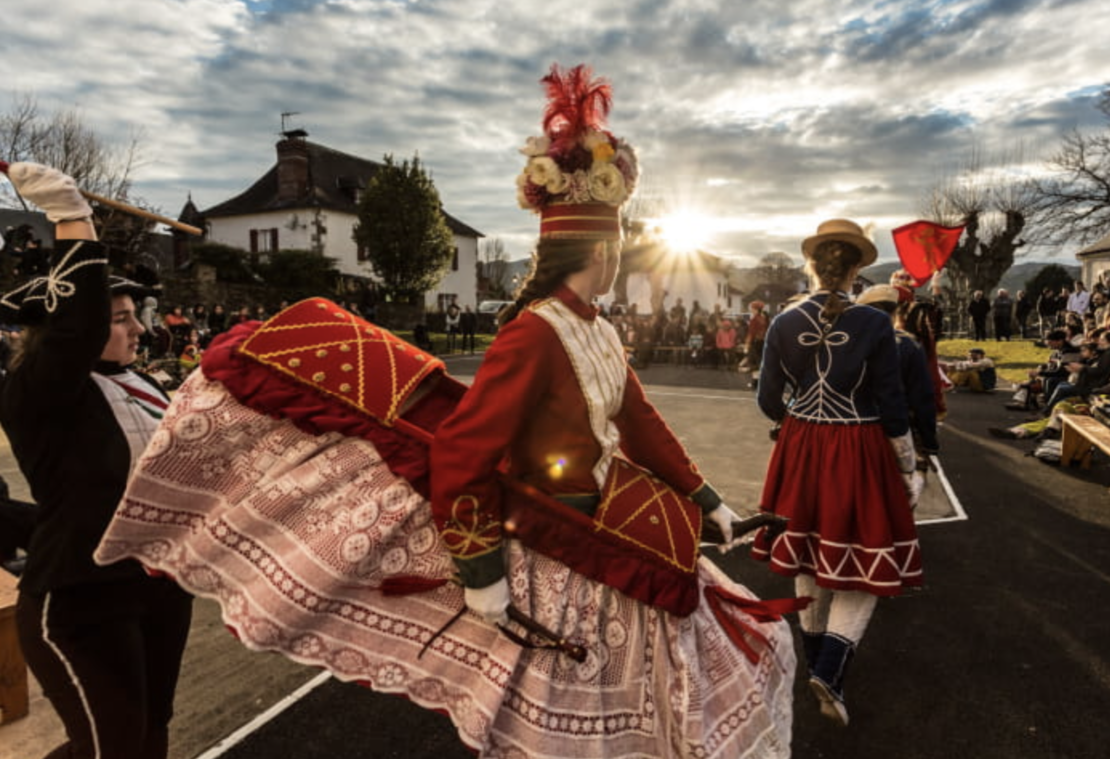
pixel 815 617
pixel 850 612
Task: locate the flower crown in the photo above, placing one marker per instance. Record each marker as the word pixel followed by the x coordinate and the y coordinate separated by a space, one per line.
pixel 576 161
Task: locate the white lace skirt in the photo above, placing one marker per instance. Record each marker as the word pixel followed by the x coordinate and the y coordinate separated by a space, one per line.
pixel 293 534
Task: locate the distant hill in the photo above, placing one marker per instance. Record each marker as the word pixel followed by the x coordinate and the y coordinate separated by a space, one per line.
pixel 1013 280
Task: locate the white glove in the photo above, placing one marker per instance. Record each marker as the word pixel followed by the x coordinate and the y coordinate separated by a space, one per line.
pixel 491 603
pixel 51 190
pixel 915 483
pixel 904 452
pixel 723 517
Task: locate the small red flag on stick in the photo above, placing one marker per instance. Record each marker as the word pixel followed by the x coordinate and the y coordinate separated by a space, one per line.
pixel 924 248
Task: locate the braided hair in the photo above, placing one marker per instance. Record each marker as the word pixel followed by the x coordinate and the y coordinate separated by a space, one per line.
pixel 831 263
pixel 553 261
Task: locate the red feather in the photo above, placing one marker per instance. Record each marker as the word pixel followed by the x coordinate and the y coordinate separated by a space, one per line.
pixel 575 103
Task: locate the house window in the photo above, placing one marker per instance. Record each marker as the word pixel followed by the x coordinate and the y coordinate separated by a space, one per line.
pixel 264 240
pixel 362 253
pixel 455 260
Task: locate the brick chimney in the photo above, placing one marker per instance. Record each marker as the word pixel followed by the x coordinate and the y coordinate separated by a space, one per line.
pixel 292 167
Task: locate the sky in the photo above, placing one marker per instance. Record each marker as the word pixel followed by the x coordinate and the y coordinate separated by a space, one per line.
pixel 757 119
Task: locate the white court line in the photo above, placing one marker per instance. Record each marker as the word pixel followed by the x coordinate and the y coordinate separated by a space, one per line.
pixel 258 722
pixel 653 392
pixel 961 514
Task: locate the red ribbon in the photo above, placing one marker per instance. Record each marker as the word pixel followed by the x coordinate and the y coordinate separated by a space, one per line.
pixel 761 611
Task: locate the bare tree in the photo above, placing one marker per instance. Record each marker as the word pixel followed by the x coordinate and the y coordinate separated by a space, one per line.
pixel 62 139
pixel 493 269
pixel 995 207
pixel 1074 201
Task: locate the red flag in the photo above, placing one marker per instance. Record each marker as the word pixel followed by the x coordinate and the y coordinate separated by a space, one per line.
pixel 924 247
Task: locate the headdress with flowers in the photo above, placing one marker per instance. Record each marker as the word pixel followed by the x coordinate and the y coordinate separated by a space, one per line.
pixel 578 174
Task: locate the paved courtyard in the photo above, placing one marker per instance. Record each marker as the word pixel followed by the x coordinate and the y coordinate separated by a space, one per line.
pixel 1002 655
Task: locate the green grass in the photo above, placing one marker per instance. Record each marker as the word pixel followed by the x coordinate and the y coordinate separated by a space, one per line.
pixel 439 340
pixel 1012 360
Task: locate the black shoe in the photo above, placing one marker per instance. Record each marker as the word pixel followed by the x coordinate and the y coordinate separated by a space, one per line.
pixel 1003 433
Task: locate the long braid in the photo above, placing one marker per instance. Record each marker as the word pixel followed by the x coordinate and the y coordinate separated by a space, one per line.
pixel 831 263
pixel 552 262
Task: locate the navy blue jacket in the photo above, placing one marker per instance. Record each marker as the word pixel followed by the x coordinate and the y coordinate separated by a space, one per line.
pixel 846 374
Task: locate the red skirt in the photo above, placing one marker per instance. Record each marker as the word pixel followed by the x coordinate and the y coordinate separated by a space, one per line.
pixel 851 525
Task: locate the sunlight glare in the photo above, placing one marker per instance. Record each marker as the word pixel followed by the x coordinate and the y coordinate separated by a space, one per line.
pixel 686 231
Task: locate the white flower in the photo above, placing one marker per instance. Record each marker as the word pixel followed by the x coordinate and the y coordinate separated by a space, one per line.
pixel 521 198
pixel 625 160
pixel 536 146
pixel 543 171
pixel 607 184
pixel 578 187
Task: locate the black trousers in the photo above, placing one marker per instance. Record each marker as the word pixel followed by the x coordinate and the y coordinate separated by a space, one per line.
pixel 980 328
pixel 107 656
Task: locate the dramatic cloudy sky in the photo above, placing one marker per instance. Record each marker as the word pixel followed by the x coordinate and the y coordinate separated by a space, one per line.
pixel 763 116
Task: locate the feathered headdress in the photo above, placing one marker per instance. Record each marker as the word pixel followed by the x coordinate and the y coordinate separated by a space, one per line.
pixel 578 174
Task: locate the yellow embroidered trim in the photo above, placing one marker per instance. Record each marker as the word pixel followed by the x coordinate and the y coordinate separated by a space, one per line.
pixel 472 538
pixel 659 492
pixel 398 393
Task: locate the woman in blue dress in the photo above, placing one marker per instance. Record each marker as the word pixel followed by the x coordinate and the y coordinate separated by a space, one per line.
pixel 843 462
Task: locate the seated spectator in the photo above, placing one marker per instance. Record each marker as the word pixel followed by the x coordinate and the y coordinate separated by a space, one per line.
pixel 695 343
pixel 217 320
pixel 1044 378
pixel 191 352
pixel 674 332
pixel 179 325
pixel 1092 371
pixel 726 343
pixel 977 373
pixel 1047 427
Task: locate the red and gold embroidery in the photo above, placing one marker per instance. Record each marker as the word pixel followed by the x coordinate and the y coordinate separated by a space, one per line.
pixel 336 353
pixel 468 532
pixel 648 513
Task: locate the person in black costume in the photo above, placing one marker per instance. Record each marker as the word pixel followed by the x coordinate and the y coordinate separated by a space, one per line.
pixel 104 642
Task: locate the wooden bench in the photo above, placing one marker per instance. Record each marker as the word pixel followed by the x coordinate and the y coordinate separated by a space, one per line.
pixel 1079 437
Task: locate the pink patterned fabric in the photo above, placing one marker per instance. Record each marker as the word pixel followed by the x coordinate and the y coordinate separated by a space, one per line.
pixel 293 533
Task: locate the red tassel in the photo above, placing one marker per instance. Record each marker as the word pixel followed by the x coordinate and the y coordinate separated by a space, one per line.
pixel 404 585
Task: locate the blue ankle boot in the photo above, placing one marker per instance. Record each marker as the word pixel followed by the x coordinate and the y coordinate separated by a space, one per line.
pixel 811 647
pixel 827 675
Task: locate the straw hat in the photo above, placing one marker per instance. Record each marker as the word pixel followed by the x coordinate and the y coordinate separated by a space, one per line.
pixel 845 230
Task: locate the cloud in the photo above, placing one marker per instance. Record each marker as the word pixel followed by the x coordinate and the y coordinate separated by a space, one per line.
pixel 770 115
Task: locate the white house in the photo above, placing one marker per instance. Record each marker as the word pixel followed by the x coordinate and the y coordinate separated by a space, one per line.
pixel 309 201
pixel 1095 260
pixel 653 271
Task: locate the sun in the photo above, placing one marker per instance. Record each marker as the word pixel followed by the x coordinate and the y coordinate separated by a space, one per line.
pixel 684 231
